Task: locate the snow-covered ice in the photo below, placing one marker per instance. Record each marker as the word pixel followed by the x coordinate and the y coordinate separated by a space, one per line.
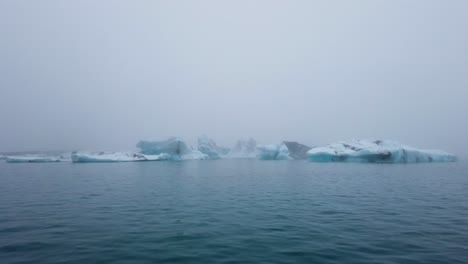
pixel 84 157
pixel 34 159
pixel 273 152
pixel 385 151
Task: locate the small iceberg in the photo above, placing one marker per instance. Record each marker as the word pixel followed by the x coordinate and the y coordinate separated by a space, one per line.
pixel 81 157
pixel 379 151
pixel 33 159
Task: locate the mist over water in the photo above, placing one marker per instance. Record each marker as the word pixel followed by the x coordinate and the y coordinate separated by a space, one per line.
pixel 81 82
pixel 102 75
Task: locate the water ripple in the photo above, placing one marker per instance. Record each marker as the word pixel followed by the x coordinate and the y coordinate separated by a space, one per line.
pixel 233 211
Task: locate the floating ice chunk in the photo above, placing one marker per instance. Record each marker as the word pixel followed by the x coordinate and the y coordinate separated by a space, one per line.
pixel 209 147
pixel 33 159
pixel 273 152
pixel 176 148
pixel 81 157
pixel 244 149
pixel 385 151
pixel 297 150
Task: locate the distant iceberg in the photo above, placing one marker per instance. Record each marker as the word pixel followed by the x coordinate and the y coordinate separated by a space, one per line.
pixel 174 147
pixel 170 149
pixel 273 152
pixel 83 157
pixel 374 151
pixel 379 151
pixel 34 159
pixel 244 149
pixel 207 146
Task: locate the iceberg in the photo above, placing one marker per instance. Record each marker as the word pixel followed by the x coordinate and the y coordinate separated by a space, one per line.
pixel 174 147
pixel 379 151
pixel 297 150
pixel 208 146
pixel 82 157
pixel 273 152
pixel 243 149
pixel 33 159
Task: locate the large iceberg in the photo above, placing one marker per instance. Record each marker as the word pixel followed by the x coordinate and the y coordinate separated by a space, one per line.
pixel 244 149
pixel 381 151
pixel 176 148
pixel 209 147
pixel 297 150
pixel 273 152
pixel 83 157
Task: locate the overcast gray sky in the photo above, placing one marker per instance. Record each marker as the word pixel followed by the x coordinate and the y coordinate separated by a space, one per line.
pixel 103 74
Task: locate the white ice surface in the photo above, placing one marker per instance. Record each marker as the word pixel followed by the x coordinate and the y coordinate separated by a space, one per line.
pixel 367 150
pixel 85 157
pixel 34 159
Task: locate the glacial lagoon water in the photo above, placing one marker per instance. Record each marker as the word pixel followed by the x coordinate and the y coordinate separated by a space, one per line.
pixel 233 211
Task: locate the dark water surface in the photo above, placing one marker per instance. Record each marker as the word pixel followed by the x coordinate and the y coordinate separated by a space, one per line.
pixel 233 211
